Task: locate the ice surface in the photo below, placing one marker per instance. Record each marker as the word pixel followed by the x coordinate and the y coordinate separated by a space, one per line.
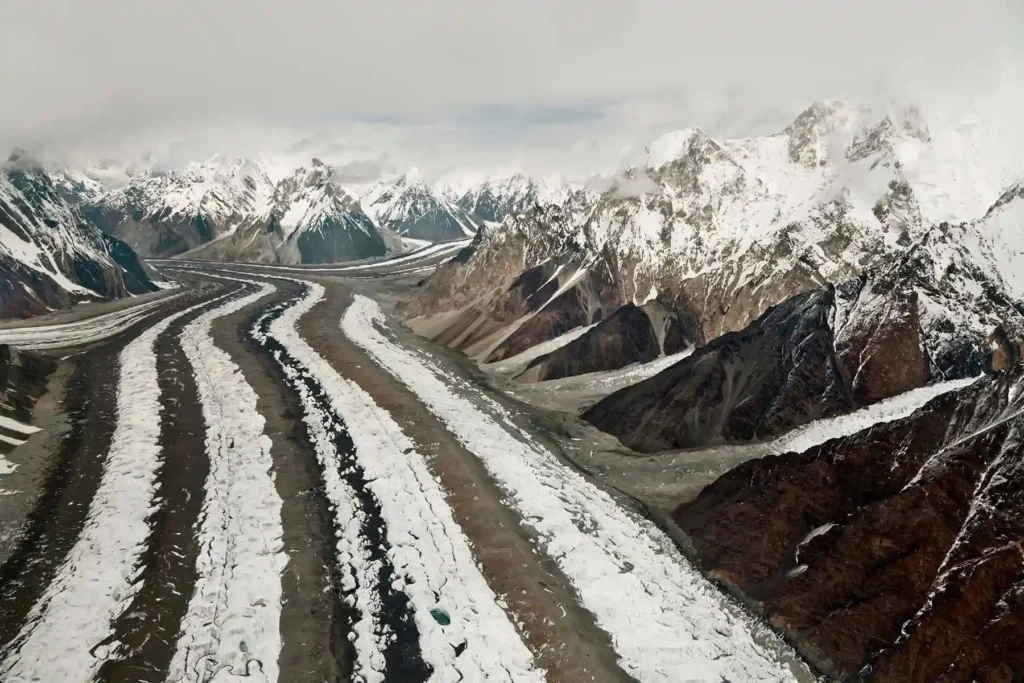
pixel 666 621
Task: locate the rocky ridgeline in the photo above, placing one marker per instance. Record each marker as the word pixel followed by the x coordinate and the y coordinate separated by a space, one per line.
pixel 894 554
pixel 50 255
pixel 838 263
pixel 718 232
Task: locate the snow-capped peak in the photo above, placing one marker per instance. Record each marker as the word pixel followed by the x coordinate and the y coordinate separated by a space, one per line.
pixel 671 146
pixel 408 206
pixel 219 191
pixel 310 198
pixel 50 254
pixel 496 198
pixel 820 131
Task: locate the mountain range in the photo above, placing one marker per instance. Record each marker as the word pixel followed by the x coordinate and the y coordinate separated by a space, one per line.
pixel 774 284
pixel 716 232
pixel 754 288
pixel 51 256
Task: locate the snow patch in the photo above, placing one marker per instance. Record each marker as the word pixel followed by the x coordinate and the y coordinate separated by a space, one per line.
pixel 889 410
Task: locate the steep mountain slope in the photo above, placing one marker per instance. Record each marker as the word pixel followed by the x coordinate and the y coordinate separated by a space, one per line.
pixel 494 200
pixel 308 219
pixel 50 256
pixel 732 227
pixel 483 296
pixel 164 214
pixel 631 334
pixel 75 187
pixel 777 374
pixel 410 208
pixel 893 553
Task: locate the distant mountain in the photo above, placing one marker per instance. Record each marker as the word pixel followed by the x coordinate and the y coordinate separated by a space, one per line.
pixel 308 219
pixel 851 258
pixel 409 207
pixel 718 231
pixel 164 214
pixel 50 255
pixel 494 200
pixel 200 209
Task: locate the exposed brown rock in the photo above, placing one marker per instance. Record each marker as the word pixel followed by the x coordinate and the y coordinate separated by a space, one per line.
pixel 778 373
pixel 495 260
pixel 1005 352
pixel 679 328
pixel 894 553
pixel 25 292
pixel 568 310
pixel 625 337
pixel 527 293
pixel 23 378
pixel 880 344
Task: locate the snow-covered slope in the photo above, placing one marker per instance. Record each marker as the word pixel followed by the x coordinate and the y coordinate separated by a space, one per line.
pixel 495 199
pixel 1001 235
pixel 410 208
pixel 50 256
pixel 163 214
pixel 231 209
pixel 309 218
pixel 721 230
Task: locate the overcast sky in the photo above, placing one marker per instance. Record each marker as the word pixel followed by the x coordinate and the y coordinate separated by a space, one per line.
pixel 540 84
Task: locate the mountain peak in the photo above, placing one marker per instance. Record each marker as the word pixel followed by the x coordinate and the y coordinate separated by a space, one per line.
pixel 813 133
pixel 408 206
pixel 674 145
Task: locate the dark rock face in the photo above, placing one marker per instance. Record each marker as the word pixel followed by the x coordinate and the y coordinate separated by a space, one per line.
pixel 681 329
pixel 353 238
pixel 625 337
pixel 53 244
pixel 527 293
pixel 586 298
pixel 778 373
pixel 880 344
pixel 568 310
pixel 895 554
pixel 25 292
pixel 23 378
pixel 434 224
pixel 138 275
pixel 149 237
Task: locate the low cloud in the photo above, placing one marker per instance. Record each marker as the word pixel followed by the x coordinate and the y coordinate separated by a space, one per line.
pixel 633 184
pixel 568 87
pixel 364 171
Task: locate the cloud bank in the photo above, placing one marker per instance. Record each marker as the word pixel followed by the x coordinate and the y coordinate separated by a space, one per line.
pixel 569 86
